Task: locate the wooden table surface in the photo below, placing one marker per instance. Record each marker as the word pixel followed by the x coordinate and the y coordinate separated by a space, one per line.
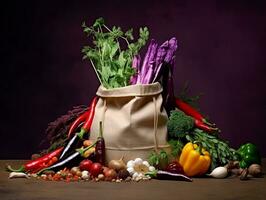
pixel 200 188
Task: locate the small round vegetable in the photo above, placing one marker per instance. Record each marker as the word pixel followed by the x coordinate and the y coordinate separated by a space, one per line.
pixel 219 172
pixel 110 174
pixel 85 164
pixel 174 167
pixel 101 177
pixel 255 170
pixel 123 174
pixel 79 173
pixel 74 170
pixel 117 164
pixel 96 169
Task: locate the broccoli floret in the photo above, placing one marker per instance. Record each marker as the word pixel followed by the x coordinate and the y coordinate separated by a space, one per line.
pixel 179 124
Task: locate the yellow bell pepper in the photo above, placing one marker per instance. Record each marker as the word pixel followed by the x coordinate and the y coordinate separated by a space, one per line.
pixel 194 159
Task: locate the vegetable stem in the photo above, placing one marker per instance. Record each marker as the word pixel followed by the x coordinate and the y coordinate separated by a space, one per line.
pixel 96 72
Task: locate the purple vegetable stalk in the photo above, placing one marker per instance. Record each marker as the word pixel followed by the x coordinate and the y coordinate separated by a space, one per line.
pixel 161 53
pixel 151 64
pixel 145 61
pixel 149 75
pixel 162 50
pixel 171 51
pixel 136 66
pixel 149 57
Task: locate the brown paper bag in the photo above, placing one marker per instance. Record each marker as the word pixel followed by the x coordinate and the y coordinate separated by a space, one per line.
pixel 134 121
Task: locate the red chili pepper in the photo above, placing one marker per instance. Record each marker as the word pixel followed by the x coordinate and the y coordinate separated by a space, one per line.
pixel 78 121
pixel 38 163
pixel 199 124
pixel 87 124
pixel 186 108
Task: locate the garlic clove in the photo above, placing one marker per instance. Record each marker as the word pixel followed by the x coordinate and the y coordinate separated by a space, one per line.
pixel 135 175
pixel 85 174
pixel 18 175
pixel 138 161
pixel 151 168
pixel 146 163
pixel 131 170
pixel 130 163
pixel 141 175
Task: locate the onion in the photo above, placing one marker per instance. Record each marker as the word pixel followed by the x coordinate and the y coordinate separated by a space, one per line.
pixel 255 170
pixel 117 165
pixel 110 174
pixel 219 172
pixel 74 170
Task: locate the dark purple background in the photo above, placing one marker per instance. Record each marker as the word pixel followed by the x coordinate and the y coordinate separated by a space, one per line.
pixel 221 53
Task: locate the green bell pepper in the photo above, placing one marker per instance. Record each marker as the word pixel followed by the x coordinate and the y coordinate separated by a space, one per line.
pixel 248 155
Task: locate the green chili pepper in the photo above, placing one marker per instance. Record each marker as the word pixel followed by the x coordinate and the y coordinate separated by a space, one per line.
pixel 248 155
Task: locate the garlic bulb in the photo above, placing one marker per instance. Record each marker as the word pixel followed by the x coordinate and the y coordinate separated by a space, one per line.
pixel 219 172
pixel 138 168
pixel 85 175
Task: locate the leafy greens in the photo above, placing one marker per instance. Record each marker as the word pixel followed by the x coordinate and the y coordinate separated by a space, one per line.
pixel 112 64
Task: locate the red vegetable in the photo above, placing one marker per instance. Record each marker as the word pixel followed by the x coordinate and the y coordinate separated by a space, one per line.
pixel 85 165
pixel 87 125
pixel 100 147
pixel 96 169
pixel 186 108
pixel 110 174
pixel 78 121
pixel 174 167
pixel 199 124
pixel 39 163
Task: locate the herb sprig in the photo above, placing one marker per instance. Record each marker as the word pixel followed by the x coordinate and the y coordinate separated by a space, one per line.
pixel 111 63
pixel 218 148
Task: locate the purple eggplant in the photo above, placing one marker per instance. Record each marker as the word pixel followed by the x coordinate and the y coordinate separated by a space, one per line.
pixel 168 86
pixel 170 98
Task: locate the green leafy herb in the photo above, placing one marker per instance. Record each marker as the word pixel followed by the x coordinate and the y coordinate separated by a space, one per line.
pixel 219 149
pixel 159 160
pixel 111 63
pixel 176 146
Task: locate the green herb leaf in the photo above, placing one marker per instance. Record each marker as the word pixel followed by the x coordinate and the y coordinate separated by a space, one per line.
pixel 112 64
pixel 98 22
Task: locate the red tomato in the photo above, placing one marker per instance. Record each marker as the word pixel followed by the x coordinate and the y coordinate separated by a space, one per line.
pixel 85 165
pixel 96 169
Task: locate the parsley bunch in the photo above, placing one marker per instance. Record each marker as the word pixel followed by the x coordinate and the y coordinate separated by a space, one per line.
pixel 112 64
